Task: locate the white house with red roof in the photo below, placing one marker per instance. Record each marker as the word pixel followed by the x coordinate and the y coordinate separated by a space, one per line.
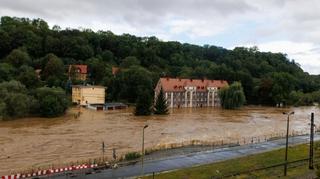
pixel 190 92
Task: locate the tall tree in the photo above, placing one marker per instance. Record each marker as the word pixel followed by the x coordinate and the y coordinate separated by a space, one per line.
pixel 52 101
pixel 28 77
pixel 283 84
pixel 129 61
pixel 144 103
pixel 232 96
pixel 54 67
pixel 18 57
pixel 54 71
pixel 161 106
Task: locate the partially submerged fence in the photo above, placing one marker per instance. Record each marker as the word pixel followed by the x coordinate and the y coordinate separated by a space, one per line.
pixel 226 142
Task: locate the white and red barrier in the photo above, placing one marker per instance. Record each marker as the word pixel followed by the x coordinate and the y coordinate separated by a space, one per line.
pixel 49 171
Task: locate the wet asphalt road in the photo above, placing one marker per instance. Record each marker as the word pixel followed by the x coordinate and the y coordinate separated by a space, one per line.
pixel 189 160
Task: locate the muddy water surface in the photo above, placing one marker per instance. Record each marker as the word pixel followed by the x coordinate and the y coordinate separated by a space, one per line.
pixel 34 142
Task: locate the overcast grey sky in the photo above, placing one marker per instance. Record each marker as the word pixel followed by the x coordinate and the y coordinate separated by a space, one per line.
pixel 288 26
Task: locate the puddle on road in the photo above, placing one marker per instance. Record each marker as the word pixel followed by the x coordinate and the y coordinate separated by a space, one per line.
pixel 33 142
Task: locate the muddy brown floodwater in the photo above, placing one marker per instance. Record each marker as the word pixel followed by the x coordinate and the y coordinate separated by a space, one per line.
pixel 34 142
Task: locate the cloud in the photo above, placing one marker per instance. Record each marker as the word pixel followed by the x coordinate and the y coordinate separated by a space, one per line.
pixel 146 16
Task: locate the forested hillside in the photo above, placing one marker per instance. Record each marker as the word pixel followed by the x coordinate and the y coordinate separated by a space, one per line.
pixel 29 44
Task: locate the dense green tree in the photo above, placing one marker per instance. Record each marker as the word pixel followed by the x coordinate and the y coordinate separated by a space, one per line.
pixel 52 101
pixel 15 100
pixel 11 87
pixel 298 98
pixel 316 96
pixel 4 43
pixel 143 103
pixel 98 70
pixel 7 72
pixel 263 92
pixel 3 110
pixel 17 104
pixel 128 82
pixel 295 97
pixel 28 77
pixel 232 96
pixel 161 106
pixel 107 56
pixel 18 57
pixel 54 72
pixel 129 61
pixel 283 84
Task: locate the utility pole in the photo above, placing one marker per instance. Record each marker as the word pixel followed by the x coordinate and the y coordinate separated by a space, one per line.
pixel 311 142
pixel 142 152
pixel 103 150
pixel 287 136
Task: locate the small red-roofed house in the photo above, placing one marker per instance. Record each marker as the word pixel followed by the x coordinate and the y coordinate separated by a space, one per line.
pixel 115 70
pixel 78 72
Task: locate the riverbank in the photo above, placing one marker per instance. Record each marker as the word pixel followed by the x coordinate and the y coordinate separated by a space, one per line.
pixel 42 143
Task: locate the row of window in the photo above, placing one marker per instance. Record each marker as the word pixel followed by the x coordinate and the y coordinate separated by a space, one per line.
pixel 188 94
pixel 194 99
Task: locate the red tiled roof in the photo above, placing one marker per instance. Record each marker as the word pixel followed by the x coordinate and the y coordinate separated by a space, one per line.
pixel 176 84
pixel 82 68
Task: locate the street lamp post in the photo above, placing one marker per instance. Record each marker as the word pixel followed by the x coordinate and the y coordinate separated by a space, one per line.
pixel 287 136
pixel 142 152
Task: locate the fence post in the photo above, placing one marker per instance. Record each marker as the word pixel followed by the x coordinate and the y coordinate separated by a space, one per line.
pixel 311 142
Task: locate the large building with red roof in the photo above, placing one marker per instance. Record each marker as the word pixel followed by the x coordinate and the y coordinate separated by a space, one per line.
pixel 190 92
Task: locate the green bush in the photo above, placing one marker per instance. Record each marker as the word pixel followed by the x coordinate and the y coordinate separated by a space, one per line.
pixel 132 155
pixel 232 96
pixel 14 100
pixel 298 98
pixel 53 102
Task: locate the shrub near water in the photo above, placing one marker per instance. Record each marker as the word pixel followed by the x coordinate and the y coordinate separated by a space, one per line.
pixel 14 100
pixel 132 155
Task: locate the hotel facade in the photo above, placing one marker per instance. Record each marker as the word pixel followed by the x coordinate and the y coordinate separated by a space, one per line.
pixel 190 92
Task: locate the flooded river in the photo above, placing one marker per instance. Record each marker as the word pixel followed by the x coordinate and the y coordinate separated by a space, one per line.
pixel 34 142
